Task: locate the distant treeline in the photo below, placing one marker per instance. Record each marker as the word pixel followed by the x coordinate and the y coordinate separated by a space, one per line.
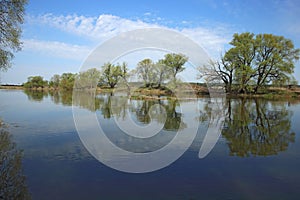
pixel 150 73
pixel 252 64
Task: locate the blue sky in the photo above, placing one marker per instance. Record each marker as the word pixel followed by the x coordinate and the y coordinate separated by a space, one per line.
pixel 59 35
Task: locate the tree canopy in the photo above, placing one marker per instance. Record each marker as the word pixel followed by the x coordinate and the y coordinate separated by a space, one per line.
pixel 175 62
pixel 145 70
pixel 255 61
pixel 111 74
pixel 156 73
pixel 11 17
pixel 67 81
pixel 35 82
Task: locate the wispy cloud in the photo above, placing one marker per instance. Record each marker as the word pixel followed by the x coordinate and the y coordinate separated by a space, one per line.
pixel 211 40
pixel 97 28
pixel 56 49
pixel 104 26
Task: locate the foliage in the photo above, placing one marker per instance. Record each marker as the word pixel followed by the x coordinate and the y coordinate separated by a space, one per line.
pixel 255 61
pixel 175 63
pixel 35 82
pixel 161 72
pixel 125 75
pixel 274 59
pixel 67 81
pixel 111 74
pixel 11 17
pixel 145 70
pixel 54 81
pixel 242 57
pixel 153 74
pixel 12 181
pixel 88 79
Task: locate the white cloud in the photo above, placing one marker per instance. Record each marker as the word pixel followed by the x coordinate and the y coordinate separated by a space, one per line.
pixel 97 28
pixel 56 49
pixel 103 27
pixel 212 41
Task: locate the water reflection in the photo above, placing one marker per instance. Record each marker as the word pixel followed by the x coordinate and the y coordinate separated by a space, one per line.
pixel 118 105
pixel 65 98
pixel 254 127
pixel 35 95
pixel 257 127
pixel 12 180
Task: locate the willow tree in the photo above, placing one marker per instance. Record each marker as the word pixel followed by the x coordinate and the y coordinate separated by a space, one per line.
pixel 145 70
pixel 255 61
pixel 242 58
pixel 175 62
pixel 11 17
pixel 111 74
pixel 275 57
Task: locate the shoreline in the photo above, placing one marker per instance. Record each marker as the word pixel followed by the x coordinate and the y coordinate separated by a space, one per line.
pixel 200 91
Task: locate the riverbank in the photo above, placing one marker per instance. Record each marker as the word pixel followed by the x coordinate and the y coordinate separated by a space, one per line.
pixel 270 92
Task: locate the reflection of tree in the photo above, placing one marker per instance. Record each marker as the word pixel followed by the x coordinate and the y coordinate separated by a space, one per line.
pixel 63 97
pixel 257 128
pixel 82 98
pixel 54 94
pixel 66 97
pixel 113 106
pixel 12 181
pixel 35 95
pixel 173 117
pixel 172 120
pixel 142 110
pixel 117 106
pixel 86 100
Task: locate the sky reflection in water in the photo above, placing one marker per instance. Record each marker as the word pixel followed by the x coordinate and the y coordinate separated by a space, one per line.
pixel 257 155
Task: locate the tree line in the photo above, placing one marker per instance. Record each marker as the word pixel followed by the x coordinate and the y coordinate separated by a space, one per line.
pixel 152 74
pixel 249 66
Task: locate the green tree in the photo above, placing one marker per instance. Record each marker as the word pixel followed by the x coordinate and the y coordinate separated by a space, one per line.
pixel 125 75
pixel 35 82
pixel 111 74
pixel 11 17
pixel 275 57
pixel 145 70
pixel 254 61
pixel 54 81
pixel 175 62
pixel 242 58
pixel 88 79
pixel 161 72
pixel 67 81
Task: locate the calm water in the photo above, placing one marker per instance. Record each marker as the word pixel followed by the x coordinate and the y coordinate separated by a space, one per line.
pixel 256 157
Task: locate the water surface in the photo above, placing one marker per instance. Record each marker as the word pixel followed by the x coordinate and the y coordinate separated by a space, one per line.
pixel 257 155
